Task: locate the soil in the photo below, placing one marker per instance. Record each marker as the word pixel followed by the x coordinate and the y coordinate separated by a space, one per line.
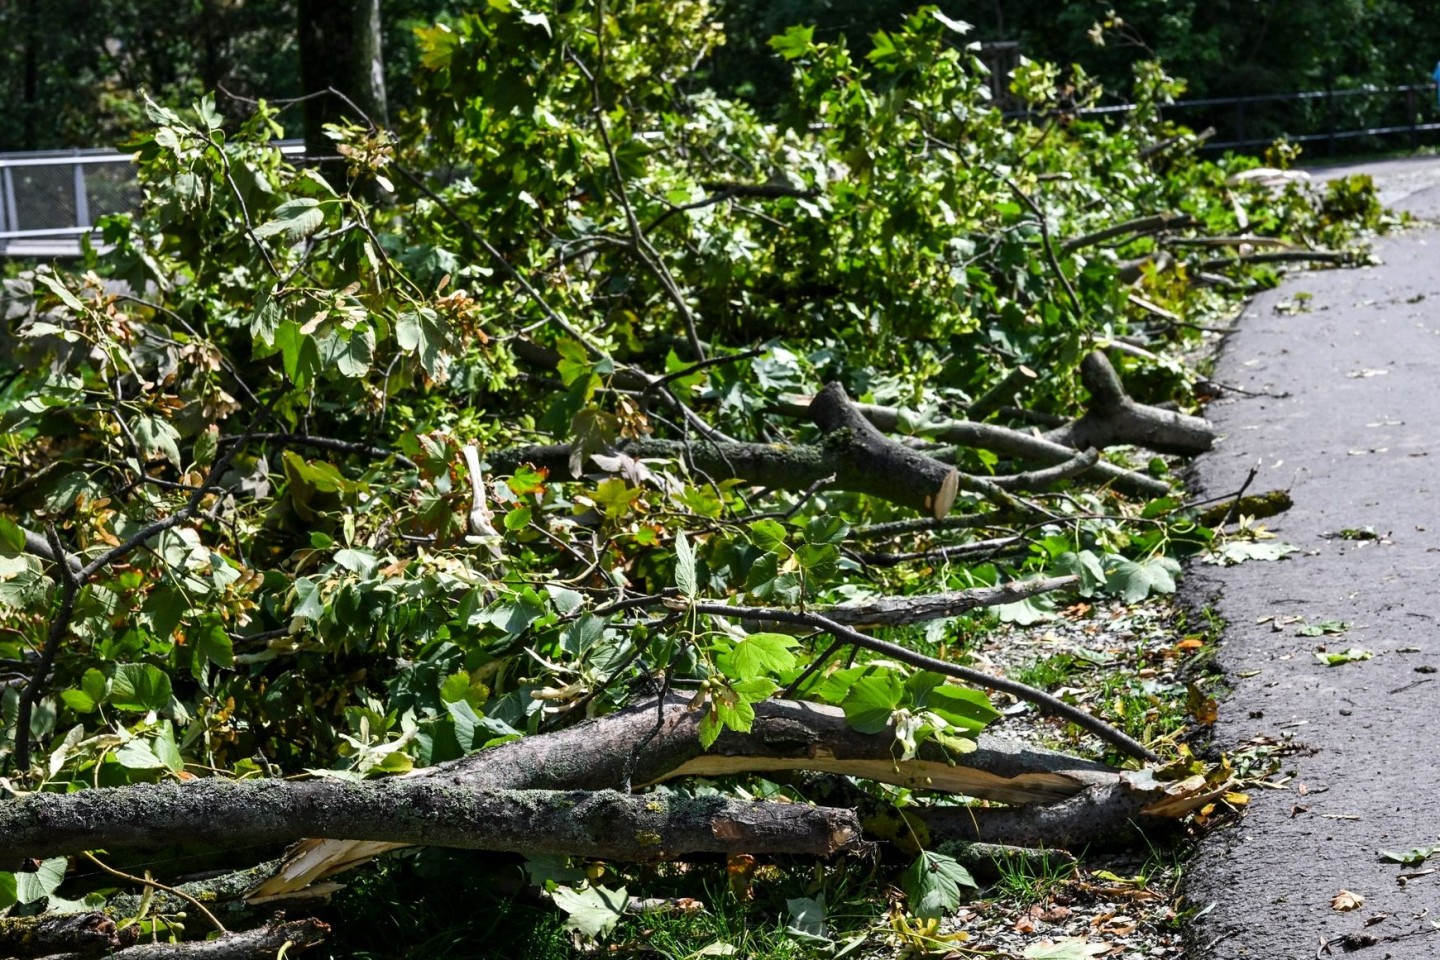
pixel 1341 373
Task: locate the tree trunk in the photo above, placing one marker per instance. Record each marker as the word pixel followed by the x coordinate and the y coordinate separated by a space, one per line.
pixel 340 51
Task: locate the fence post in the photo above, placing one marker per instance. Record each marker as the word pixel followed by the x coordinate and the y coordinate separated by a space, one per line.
pixel 82 200
pixel 1330 119
pixel 7 183
pixel 1410 111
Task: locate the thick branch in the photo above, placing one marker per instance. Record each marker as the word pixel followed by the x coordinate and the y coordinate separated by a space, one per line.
pixel 279 937
pixel 77 934
pixel 437 811
pixel 862 459
pixel 1115 419
pixel 998 439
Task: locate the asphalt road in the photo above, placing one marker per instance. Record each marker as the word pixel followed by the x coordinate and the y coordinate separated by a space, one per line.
pixel 1343 409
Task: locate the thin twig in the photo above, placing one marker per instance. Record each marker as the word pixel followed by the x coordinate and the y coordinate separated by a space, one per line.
pixel 1047 703
pixel 148 882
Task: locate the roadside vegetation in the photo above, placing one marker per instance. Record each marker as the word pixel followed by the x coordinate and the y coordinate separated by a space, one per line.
pixel 752 533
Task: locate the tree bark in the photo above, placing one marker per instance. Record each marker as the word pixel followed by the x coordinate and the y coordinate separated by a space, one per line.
pixel 997 439
pixel 860 457
pixel 1114 419
pixel 340 51
pixel 279 937
pixel 77 934
pixel 435 811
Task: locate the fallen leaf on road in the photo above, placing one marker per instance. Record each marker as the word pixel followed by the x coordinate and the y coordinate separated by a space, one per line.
pixel 1348 655
pixel 1346 900
pixel 1070 948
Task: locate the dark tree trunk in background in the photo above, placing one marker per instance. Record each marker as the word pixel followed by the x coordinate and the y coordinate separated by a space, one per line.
pixel 31 82
pixel 340 49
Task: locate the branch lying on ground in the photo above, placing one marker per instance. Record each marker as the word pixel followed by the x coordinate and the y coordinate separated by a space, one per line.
pixel 1158 223
pixel 997 439
pixel 78 934
pixel 436 811
pixel 898 611
pixel 1053 706
pixel 1115 419
pixel 551 793
pixel 862 459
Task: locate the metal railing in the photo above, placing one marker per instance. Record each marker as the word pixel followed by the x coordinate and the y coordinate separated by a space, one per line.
pixel 1327 117
pixel 50 199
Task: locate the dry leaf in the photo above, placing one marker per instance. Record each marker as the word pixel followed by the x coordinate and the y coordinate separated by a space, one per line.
pixel 1346 900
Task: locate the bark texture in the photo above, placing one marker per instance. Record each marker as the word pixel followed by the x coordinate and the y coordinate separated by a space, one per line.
pixel 436 811
pixel 859 457
pixel 1114 419
pixel 77 934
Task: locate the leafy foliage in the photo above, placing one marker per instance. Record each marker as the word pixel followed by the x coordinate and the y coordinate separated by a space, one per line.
pixel 259 421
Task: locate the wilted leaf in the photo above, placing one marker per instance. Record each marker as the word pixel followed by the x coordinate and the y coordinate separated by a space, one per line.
pixel 1347 900
pixel 1068 948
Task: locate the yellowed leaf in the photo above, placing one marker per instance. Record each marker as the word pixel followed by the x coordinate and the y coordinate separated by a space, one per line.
pixel 1347 900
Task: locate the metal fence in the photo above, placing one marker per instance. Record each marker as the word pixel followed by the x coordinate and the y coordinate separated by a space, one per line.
pixel 1369 118
pixel 50 199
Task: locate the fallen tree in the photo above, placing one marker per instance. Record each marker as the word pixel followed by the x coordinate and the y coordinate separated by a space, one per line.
pixel 555 793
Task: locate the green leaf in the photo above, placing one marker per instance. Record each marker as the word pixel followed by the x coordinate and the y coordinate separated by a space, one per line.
pixel 932 884
pixel 684 565
pixel 297 218
pixel 420 332
pixel 793 43
pixel 1085 565
pixel 769 535
pixel 962 707
pixel 139 687
pixel 872 699
pixel 57 288
pixel 592 912
pixel 807 918
pixel 1339 657
pixel 155 435
pixel 1136 581
pixel 214 644
pixel 759 655
pixel 137 755
pixel 266 320
pixel 8 890
pixel 1412 857
pixel 474 731
pixel 1323 628
pixel 826 529
pixel 31 886
pixel 164 746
